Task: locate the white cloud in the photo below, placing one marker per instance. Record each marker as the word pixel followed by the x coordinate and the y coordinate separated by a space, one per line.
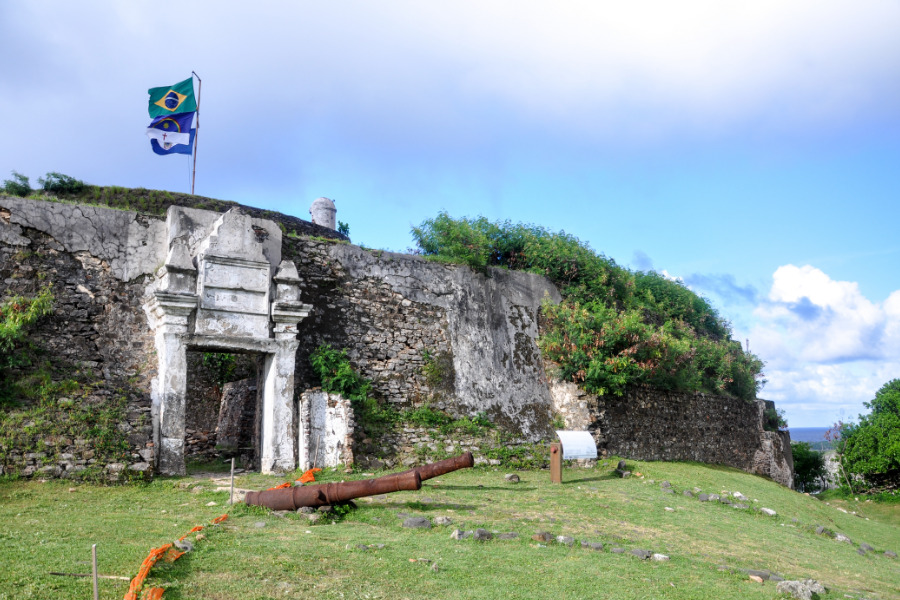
pixel 827 347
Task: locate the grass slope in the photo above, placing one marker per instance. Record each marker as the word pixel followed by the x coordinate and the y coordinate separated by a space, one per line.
pixel 259 555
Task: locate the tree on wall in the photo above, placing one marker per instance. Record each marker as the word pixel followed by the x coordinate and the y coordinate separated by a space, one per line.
pixel 871 448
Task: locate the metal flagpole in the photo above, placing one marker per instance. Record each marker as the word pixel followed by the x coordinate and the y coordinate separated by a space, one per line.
pixel 197 130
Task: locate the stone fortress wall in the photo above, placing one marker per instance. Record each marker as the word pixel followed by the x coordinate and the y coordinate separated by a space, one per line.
pixel 392 312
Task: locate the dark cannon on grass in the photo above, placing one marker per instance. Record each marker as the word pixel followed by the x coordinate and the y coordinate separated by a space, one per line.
pixel 326 494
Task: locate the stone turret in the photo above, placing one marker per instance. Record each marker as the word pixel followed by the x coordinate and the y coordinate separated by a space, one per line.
pixel 323 213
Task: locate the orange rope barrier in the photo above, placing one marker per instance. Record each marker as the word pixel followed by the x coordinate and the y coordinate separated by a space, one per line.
pixel 167 552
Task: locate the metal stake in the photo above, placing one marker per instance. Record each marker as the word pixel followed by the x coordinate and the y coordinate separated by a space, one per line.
pixel 231 497
pixel 94 571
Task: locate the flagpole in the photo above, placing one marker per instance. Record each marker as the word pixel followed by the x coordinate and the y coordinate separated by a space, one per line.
pixel 197 130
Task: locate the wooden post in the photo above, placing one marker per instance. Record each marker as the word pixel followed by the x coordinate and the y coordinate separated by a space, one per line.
pixel 231 496
pixel 94 571
pixel 556 462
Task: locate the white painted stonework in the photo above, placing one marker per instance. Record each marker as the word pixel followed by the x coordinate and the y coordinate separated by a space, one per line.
pixel 326 430
pixel 224 288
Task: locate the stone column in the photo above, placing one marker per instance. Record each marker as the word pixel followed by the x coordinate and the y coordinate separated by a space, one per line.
pixel 171 312
pixel 168 311
pixel 278 444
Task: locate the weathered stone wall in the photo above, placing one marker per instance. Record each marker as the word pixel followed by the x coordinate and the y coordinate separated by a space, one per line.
pixel 648 424
pixel 97 336
pixel 424 333
pixel 389 309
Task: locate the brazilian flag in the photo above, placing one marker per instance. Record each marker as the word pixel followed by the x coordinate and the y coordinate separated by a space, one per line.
pixel 178 98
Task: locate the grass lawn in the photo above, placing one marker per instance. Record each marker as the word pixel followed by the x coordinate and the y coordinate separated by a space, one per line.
pixel 259 555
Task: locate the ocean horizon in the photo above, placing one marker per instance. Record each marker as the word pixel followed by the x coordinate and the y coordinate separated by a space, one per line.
pixel 808 434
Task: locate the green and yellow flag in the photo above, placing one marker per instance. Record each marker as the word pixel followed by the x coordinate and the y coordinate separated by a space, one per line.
pixel 178 98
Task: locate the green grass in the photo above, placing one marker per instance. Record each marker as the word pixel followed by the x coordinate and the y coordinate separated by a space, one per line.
pixel 48 528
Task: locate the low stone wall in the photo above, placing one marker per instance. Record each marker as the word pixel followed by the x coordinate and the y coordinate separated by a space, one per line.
pixel 649 424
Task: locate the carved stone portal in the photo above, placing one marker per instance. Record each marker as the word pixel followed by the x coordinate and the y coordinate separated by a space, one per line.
pixel 224 288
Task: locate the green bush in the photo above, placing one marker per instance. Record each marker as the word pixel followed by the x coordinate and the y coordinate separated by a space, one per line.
pixel 59 183
pixel 334 370
pixel 614 328
pixel 17 315
pixel 809 468
pixel 17 186
pixel 871 448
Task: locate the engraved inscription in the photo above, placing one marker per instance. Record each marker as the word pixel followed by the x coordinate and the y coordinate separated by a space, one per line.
pixel 240 277
pixel 234 300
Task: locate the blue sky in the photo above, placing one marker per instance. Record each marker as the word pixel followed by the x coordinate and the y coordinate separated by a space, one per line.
pixel 751 150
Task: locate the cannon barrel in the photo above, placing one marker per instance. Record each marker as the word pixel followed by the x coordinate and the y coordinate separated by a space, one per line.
pixel 442 467
pixel 324 494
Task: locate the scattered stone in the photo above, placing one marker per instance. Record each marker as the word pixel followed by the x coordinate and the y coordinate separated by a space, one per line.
pixel 183 545
pixel 890 554
pixel 457 534
pixel 703 497
pixel 714 497
pixel 739 505
pixel 768 511
pixel 865 547
pixel 417 523
pixel 776 578
pixel 642 554
pixel 669 509
pixel 444 521
pixel 665 485
pixel 596 546
pixel 314 518
pixel 482 535
pixel 795 589
pixel 402 515
pixel 739 496
pixel 566 540
pixel 688 493
pixel 860 551
pixel 508 536
pixel 542 536
pixel 325 509
pixel 512 478
pixel 697 490
pixel 618 550
pixel 434 567
pixel 306 510
pixel 668 491
pixel 763 575
pixel 840 537
pixel 659 557
pixel 279 513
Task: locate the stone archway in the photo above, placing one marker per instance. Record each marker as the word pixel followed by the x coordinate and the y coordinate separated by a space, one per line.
pixel 216 292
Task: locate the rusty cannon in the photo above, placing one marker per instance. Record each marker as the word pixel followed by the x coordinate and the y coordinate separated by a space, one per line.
pixel 325 494
pixel 442 467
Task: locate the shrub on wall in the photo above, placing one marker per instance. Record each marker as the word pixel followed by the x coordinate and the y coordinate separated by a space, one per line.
pixel 614 328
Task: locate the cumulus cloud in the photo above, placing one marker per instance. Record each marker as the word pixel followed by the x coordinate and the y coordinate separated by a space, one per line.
pixel 828 348
pixel 811 317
